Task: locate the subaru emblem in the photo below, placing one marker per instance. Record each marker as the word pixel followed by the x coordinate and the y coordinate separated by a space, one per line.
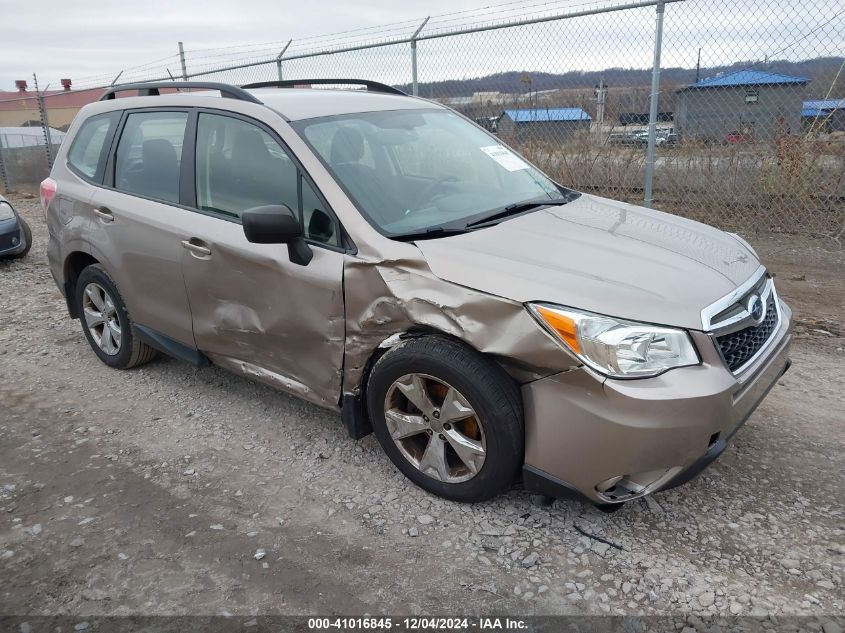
pixel 756 308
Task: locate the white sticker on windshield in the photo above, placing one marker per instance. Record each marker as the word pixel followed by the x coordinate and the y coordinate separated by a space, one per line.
pixel 505 157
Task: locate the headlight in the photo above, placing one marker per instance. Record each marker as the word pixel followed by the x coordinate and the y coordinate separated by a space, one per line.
pixel 616 348
pixel 6 211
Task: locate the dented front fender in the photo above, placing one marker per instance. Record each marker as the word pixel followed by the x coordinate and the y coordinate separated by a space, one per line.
pixel 389 296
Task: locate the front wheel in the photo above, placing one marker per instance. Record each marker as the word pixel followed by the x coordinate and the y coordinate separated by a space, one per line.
pixel 448 417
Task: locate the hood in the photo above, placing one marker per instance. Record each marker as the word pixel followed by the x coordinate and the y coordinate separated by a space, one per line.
pixel 602 256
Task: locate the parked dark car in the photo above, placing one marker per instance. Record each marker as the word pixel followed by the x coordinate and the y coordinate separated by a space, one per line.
pixel 15 234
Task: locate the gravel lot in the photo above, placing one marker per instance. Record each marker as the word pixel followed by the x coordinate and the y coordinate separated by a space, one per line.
pixel 150 491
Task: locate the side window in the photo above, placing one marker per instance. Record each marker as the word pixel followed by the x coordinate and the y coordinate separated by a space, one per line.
pixel 87 155
pixel 319 224
pixel 149 154
pixel 240 166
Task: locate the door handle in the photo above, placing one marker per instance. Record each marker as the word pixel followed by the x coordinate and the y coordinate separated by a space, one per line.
pixel 104 214
pixel 197 250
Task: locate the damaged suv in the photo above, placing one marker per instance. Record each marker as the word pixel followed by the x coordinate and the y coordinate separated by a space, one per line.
pixel 382 256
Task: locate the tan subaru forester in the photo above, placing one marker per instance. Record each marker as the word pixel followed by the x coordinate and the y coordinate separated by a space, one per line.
pixel 382 256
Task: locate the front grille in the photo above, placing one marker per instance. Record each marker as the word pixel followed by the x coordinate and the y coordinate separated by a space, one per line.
pixel 739 347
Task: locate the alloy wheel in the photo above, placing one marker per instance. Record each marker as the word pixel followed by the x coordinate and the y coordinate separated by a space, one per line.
pixel 101 318
pixel 435 428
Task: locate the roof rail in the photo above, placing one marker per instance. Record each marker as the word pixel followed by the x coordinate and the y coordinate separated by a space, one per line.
pixel 372 86
pixel 151 89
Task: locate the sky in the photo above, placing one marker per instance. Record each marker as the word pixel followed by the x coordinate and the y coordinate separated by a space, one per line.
pixel 90 42
pixel 108 35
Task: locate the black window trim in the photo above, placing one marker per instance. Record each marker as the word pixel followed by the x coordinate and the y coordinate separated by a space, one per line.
pixel 346 243
pixel 114 124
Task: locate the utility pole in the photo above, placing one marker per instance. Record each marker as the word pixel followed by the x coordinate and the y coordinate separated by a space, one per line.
pixel 601 94
pixel 698 66
pixel 526 80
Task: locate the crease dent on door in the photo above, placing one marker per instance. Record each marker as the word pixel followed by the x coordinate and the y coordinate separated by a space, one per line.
pixel 263 318
pixel 386 297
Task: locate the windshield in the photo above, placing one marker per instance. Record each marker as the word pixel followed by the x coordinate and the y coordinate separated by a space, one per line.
pixel 417 171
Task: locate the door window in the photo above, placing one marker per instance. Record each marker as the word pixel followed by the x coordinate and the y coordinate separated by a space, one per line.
pixel 240 166
pixel 149 154
pixel 86 155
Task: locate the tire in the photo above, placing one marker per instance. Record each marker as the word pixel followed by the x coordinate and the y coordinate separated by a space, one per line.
pixel 495 426
pixel 26 231
pixel 129 351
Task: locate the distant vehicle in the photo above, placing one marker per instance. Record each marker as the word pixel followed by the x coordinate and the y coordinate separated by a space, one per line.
pixel 625 139
pixel 735 136
pixel 15 234
pixel 639 138
pixel 489 123
pixel 665 138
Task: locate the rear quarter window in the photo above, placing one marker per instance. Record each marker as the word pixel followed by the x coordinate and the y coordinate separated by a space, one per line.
pixel 89 149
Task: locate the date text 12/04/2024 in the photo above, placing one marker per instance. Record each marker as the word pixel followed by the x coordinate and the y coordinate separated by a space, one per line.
pixel 418 623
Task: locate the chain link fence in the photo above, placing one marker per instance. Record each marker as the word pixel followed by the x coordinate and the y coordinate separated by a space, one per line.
pixel 731 112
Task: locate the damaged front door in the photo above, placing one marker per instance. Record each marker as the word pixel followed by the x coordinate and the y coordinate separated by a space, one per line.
pixel 254 311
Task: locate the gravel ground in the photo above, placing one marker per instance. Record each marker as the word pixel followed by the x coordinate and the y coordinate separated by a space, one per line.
pixel 156 490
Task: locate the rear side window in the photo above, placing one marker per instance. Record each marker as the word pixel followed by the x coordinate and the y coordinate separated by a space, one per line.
pixel 149 154
pixel 87 155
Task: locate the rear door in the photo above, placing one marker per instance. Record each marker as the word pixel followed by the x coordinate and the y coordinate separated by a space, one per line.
pixel 137 222
pixel 254 310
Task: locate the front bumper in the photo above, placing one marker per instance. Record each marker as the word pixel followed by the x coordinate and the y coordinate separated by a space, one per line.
pixel 584 431
pixel 12 240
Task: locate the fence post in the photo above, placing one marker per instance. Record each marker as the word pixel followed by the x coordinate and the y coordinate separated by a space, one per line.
pixel 652 113
pixel 4 179
pixel 279 60
pixel 45 123
pixel 182 60
pixel 414 86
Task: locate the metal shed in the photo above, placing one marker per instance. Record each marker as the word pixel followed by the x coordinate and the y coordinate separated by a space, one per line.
pixel 824 115
pixel 549 125
pixel 749 104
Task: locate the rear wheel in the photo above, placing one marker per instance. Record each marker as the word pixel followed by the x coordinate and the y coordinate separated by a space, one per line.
pixel 449 418
pixel 106 322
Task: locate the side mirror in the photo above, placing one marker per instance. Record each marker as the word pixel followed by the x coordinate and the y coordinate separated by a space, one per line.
pixel 277 224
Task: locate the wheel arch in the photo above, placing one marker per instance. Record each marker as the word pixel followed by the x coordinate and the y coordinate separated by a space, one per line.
pixel 74 264
pixel 354 397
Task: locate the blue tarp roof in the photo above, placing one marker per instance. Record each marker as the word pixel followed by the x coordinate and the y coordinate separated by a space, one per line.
pixel 548 114
pixel 820 107
pixel 746 78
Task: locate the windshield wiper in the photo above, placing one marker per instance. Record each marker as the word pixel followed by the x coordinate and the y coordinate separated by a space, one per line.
pixel 516 209
pixel 427 234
